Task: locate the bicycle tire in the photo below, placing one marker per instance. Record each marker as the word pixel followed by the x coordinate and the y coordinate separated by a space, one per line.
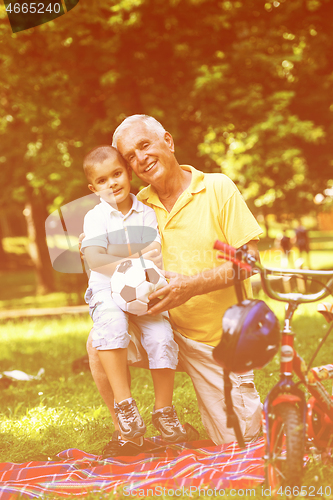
pixel 285 467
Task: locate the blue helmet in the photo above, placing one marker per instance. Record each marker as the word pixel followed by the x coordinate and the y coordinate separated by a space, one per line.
pixel 251 337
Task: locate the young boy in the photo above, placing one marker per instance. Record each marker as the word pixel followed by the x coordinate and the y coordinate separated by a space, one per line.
pixel 115 230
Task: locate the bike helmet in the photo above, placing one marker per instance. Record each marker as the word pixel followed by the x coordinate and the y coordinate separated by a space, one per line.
pixel 251 337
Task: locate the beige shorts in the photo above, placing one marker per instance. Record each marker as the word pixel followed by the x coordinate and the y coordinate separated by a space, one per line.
pixel 111 326
pixel 195 358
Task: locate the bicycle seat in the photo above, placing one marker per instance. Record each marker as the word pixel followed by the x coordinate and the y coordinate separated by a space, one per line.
pixel 326 309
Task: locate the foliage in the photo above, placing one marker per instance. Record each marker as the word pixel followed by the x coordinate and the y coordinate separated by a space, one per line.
pixel 239 72
pixel 244 86
pixel 273 136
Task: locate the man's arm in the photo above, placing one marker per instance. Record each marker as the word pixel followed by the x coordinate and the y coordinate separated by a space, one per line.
pixel 182 288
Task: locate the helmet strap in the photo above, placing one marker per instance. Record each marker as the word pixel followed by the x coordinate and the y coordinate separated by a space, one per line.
pixel 232 419
pixel 238 284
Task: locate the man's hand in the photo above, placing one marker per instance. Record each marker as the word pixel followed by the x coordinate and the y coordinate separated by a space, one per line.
pixel 181 288
pixel 177 292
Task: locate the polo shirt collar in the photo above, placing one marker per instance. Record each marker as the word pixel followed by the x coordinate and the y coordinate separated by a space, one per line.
pixel 197 181
pixel 136 206
pixel 197 184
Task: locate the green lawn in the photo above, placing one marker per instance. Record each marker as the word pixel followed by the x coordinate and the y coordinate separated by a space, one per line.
pixel 19 282
pixel 64 410
pixel 18 291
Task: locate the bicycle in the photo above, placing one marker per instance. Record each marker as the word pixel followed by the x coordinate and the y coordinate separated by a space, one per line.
pixel 289 422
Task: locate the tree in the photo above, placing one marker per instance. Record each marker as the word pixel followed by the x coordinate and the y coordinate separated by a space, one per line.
pixel 272 136
pixel 228 79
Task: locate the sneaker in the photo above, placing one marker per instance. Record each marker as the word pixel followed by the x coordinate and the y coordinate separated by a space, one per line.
pixel 129 419
pixel 117 447
pixel 166 421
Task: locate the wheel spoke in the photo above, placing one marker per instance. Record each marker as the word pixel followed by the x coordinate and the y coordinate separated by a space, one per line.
pixel 279 440
pixel 279 473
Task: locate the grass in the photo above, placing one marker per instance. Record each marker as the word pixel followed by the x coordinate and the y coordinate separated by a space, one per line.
pixel 64 410
pixel 19 281
pixel 18 290
pixel 18 245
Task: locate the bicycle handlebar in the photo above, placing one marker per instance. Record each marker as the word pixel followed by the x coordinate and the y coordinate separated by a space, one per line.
pixel 231 255
pixel 246 261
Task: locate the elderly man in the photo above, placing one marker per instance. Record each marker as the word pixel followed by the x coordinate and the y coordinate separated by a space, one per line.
pixel 193 209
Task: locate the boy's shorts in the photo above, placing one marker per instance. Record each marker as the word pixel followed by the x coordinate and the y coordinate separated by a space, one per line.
pixel 111 330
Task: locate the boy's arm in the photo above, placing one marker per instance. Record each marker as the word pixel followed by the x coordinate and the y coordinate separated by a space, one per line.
pixel 104 258
pixel 150 252
pixel 100 260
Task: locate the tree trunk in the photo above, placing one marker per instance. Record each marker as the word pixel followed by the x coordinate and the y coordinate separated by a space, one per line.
pixel 35 213
pixel 3 254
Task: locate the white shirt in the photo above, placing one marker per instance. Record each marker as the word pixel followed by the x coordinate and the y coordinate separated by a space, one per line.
pixel 105 225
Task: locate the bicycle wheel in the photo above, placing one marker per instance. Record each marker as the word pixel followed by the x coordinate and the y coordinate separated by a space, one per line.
pixel 285 467
pixel 320 427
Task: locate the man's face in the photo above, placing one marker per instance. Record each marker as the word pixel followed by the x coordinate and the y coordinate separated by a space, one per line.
pixel 148 154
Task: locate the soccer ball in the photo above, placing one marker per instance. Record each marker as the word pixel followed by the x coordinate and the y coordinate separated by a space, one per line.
pixel 132 282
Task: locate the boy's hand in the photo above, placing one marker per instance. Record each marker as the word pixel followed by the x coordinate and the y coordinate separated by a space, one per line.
pixel 155 256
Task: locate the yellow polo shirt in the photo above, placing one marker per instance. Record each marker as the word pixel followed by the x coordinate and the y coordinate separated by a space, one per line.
pixel 210 208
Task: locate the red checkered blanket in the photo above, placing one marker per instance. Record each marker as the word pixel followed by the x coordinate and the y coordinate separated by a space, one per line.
pixel 179 470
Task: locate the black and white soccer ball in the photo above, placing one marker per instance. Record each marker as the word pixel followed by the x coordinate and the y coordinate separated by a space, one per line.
pixel 132 282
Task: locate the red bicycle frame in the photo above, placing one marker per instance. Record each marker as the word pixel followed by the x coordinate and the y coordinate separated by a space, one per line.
pixel 286 390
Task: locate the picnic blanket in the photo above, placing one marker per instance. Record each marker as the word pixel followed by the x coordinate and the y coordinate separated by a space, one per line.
pixel 179 469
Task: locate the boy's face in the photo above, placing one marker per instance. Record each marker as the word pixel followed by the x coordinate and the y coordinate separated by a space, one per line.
pixel 111 181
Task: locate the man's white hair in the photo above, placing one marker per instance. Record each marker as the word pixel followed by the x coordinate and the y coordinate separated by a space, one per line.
pixel 152 124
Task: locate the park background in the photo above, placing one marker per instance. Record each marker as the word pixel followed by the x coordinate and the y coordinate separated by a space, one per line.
pixel 245 88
